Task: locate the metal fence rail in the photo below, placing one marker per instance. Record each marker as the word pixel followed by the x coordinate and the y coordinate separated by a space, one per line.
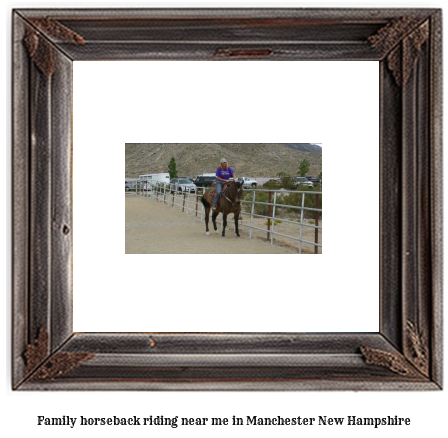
pixel 190 203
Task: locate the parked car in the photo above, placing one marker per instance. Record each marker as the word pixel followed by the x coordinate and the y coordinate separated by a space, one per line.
pixel 187 177
pixel 182 185
pixel 247 182
pixel 128 186
pixel 302 181
pixel 205 181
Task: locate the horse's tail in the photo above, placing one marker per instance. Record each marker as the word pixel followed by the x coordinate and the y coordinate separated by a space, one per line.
pixel 205 202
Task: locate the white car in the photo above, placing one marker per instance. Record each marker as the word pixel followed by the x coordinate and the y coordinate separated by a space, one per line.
pixel 182 185
pixel 301 181
pixel 247 182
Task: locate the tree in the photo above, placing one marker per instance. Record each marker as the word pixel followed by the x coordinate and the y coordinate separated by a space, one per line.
pixel 172 168
pixel 287 181
pixel 304 167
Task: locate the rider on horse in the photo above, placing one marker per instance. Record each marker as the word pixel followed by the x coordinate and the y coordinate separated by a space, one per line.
pixel 223 173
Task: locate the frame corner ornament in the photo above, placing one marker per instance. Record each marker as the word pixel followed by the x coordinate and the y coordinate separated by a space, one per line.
pixel 394 361
pixel 401 56
pixel 60 364
pixel 37 351
pixel 39 48
pixel 417 350
pixel 41 366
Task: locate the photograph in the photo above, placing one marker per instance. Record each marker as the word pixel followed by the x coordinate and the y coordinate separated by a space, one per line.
pixel 175 191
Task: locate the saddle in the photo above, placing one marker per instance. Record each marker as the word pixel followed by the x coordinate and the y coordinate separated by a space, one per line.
pixel 212 190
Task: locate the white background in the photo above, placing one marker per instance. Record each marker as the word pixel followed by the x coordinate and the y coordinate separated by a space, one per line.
pixel 191 102
pixel 426 410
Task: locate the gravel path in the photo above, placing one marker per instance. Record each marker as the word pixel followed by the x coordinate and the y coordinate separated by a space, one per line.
pixel 155 228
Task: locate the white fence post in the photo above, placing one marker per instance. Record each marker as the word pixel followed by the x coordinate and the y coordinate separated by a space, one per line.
pixel 252 214
pixel 301 223
pixel 203 208
pixel 273 219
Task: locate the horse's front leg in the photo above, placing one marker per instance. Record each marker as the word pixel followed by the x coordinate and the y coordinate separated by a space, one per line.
pixel 236 225
pixel 207 213
pixel 224 224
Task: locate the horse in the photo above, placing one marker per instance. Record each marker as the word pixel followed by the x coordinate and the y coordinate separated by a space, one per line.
pixel 228 202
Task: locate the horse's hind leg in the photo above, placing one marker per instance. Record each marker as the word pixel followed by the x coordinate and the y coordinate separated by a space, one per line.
pixel 207 213
pixel 214 216
pixel 236 225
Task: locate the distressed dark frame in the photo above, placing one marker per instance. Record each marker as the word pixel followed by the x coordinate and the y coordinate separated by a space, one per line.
pixel 406 354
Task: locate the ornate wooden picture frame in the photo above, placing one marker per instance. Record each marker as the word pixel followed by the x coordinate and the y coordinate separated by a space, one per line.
pixel 406 353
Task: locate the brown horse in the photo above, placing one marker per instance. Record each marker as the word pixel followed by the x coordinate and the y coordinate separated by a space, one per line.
pixel 228 202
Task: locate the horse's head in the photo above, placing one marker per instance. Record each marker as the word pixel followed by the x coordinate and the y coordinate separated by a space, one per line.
pixel 238 187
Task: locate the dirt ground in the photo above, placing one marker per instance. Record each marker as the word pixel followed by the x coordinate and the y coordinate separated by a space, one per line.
pixel 155 228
